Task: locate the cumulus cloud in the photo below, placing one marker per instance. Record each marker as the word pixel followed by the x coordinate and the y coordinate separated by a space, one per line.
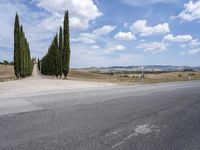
pixel 86 38
pixel 81 12
pixel 153 47
pixel 125 36
pixel 194 43
pixel 83 56
pixel 115 48
pixel 191 52
pixel 140 27
pixel 90 38
pixel 178 38
pixel 37 36
pixel 104 30
pixel 190 13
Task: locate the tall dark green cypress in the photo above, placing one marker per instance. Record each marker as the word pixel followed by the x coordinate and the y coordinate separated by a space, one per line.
pixel 26 57
pixel 29 60
pixel 55 56
pixel 22 53
pixel 66 46
pixel 39 64
pixel 57 60
pixel 60 51
pixel 17 47
pixel 23 64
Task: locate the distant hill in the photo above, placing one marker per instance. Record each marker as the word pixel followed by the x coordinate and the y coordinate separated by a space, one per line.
pixel 148 68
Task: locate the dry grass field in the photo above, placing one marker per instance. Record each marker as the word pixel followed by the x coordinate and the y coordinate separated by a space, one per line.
pixel 127 79
pixel 7 73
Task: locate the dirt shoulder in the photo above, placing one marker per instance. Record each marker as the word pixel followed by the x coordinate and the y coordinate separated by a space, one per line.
pixel 37 84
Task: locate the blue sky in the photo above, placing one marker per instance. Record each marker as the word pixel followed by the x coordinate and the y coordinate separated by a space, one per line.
pixel 109 32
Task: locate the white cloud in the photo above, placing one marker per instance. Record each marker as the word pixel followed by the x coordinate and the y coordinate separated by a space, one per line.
pixel 178 38
pixel 114 49
pixel 194 43
pixel 83 56
pixel 37 36
pixel 90 38
pixel 190 13
pixel 141 28
pixel 194 51
pixel 52 23
pixel 191 52
pixel 81 12
pixel 95 47
pixel 85 38
pixel 191 44
pixel 104 30
pixel 126 36
pixel 153 47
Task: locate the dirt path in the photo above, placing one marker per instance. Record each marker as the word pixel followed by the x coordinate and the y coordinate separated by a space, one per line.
pixel 37 84
pixel 36 73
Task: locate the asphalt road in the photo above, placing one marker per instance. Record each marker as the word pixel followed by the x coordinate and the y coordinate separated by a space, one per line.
pixel 149 117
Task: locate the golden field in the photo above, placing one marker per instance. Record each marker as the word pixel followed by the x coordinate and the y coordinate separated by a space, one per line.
pixel 7 73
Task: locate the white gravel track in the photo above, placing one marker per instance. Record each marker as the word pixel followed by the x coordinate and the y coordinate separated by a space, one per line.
pixel 37 84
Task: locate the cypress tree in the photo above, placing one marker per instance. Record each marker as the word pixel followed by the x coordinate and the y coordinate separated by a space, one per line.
pixel 55 56
pixel 23 64
pixel 60 51
pixel 39 64
pixel 66 46
pixel 57 60
pixel 26 57
pixel 17 47
pixel 22 52
pixel 30 64
pixel 49 61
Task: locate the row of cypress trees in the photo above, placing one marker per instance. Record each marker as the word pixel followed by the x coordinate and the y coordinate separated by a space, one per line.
pixel 23 64
pixel 56 61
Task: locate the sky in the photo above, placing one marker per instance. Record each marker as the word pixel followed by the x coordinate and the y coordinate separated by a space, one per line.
pixel 108 32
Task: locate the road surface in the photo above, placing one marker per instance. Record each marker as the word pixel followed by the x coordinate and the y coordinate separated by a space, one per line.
pixel 148 117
